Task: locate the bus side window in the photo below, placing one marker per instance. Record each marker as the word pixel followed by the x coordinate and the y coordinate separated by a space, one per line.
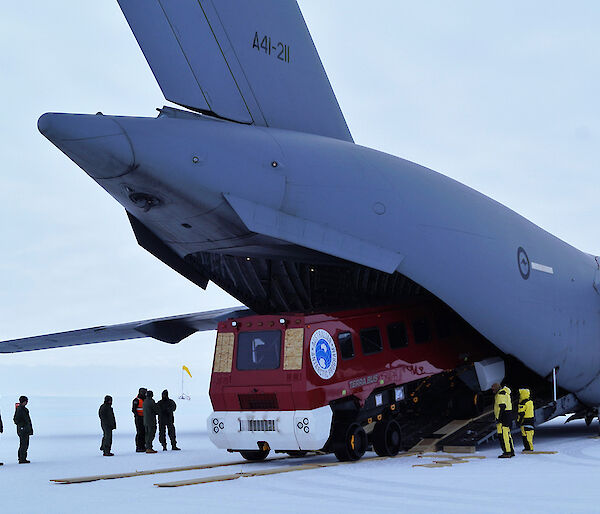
pixel 397 335
pixel 346 345
pixel 370 340
pixel 421 331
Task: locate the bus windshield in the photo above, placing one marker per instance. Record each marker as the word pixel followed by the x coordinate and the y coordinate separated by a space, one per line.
pixel 259 350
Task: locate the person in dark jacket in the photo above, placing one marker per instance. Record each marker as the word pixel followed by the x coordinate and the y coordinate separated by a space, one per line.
pixel 24 428
pixel 150 412
pixel 137 407
pixel 108 424
pixel 1 431
pixel 166 421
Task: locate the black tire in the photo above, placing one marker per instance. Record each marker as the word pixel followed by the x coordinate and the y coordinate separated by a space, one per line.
pixel 297 454
pixel 254 455
pixel 350 442
pixel 386 438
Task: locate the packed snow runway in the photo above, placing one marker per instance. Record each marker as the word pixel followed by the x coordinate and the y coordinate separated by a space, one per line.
pixel 564 482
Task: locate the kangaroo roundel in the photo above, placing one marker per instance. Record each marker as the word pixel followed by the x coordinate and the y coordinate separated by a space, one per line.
pixel 323 354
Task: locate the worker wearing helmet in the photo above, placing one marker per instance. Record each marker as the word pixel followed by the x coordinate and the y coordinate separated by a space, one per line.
pixel 526 418
pixel 503 413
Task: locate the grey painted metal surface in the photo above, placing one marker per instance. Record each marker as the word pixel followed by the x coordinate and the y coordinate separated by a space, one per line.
pixel 270 215
pixel 252 62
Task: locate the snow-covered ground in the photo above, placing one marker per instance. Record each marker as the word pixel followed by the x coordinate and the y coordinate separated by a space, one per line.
pixel 564 482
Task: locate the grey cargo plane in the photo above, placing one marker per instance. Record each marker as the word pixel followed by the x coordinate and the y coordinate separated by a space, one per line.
pixel 258 186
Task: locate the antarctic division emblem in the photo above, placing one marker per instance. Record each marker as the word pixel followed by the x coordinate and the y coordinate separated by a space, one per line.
pixel 323 354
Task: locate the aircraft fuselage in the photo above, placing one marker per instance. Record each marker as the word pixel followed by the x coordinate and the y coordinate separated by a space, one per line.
pixel 212 187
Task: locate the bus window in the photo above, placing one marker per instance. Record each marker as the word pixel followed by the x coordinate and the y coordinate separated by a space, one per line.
pixel 370 340
pixel 259 350
pixel 346 345
pixel 397 335
pixel 421 331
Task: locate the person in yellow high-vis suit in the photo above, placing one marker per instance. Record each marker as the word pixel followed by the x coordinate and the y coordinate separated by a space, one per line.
pixel 526 419
pixel 503 413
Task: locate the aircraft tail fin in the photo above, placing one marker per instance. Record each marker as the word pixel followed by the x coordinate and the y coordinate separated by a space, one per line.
pixel 251 62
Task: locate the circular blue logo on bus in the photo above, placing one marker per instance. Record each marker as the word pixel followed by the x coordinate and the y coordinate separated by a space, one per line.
pixel 323 354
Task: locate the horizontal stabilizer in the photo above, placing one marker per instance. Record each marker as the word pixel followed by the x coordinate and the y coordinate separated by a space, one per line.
pixel 171 329
pixel 309 234
pixel 251 62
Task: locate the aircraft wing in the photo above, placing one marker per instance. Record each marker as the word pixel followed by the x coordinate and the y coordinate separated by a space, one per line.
pixel 171 329
pixel 250 61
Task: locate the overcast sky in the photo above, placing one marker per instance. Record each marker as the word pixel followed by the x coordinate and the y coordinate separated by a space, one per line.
pixel 500 96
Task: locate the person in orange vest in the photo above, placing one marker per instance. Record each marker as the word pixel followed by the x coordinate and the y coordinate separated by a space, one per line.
pixel 137 408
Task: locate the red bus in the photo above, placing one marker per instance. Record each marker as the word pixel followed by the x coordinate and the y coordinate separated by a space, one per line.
pixel 333 382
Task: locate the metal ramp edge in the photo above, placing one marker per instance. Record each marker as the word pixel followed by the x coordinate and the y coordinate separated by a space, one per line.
pixel 482 429
pixel 470 435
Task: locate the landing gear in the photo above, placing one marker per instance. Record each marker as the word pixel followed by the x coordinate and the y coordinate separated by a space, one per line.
pixel 386 438
pixel 255 455
pixel 350 442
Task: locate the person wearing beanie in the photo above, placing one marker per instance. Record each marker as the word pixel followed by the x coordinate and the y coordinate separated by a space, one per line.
pixel 137 407
pixel 24 428
pixel 1 431
pixel 150 412
pixel 166 421
pixel 108 424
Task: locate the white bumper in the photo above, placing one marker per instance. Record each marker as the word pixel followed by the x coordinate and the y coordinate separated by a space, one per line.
pixel 282 430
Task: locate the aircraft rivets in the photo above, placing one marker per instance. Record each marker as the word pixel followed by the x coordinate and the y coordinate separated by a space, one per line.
pixel 274 164
pixel 378 208
pixel 195 159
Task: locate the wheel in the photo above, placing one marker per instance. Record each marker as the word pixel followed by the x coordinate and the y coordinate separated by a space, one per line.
pixel 254 455
pixel 297 453
pixel 350 442
pixel 386 438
